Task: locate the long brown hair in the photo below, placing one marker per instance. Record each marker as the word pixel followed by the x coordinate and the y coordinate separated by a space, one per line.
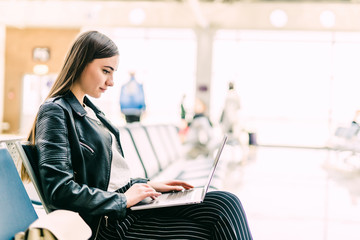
pixel 87 47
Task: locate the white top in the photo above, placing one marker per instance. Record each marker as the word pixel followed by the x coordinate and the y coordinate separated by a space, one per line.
pixel 120 171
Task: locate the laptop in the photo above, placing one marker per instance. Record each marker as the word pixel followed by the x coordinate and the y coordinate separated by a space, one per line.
pixel 191 196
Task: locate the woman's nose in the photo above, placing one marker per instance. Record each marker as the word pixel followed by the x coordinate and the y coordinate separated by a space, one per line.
pixel 110 82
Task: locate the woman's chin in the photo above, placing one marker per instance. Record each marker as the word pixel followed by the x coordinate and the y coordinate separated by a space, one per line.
pixel 96 95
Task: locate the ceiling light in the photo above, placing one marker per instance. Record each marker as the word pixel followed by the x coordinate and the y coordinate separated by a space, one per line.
pixel 327 19
pixel 278 18
pixel 137 16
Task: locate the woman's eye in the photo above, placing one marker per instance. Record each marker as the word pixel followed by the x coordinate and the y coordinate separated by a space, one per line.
pixel 106 71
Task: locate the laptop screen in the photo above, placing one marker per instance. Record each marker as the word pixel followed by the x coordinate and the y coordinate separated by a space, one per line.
pixel 215 163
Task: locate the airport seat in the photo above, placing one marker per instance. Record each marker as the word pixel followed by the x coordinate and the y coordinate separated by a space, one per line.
pixel 345 139
pixel 159 137
pixel 11 147
pixel 145 149
pixel 28 155
pixel 162 150
pixel 156 151
pixel 193 165
pixel 170 132
pixel 131 154
pixel 17 211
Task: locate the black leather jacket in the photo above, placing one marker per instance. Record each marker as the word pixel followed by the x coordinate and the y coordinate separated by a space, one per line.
pixel 75 158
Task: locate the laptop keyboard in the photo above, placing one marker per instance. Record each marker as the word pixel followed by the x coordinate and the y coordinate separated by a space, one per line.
pixel 183 195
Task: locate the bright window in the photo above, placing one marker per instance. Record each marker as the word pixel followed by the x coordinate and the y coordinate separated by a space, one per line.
pixel 164 61
pixel 296 87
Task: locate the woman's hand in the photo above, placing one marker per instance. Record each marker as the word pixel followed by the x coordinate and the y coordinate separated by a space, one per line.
pixel 167 186
pixel 138 192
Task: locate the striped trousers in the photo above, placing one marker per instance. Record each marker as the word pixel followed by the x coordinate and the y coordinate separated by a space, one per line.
pixel 220 216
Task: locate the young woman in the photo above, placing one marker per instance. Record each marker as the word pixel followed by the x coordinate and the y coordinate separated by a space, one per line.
pixel 82 167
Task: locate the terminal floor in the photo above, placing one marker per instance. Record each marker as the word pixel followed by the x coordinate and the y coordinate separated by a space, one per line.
pixel 298 194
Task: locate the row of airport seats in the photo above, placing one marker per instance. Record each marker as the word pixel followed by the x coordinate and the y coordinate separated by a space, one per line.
pixel 156 152
pixel 346 140
pixel 152 151
pixel 344 137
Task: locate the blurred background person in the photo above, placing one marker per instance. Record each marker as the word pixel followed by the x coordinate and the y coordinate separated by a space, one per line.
pixel 183 128
pixel 199 140
pixel 132 99
pixel 229 119
pixel 182 108
pixel 356 119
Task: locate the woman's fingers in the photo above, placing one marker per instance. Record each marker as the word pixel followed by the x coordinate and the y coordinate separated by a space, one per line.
pixel 181 183
pixel 172 185
pixel 138 192
pixel 187 186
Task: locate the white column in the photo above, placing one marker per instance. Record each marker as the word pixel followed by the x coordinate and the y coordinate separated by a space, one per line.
pixel 204 65
pixel 2 72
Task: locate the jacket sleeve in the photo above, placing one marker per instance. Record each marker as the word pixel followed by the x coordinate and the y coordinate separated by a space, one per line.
pixel 56 173
pixel 138 180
